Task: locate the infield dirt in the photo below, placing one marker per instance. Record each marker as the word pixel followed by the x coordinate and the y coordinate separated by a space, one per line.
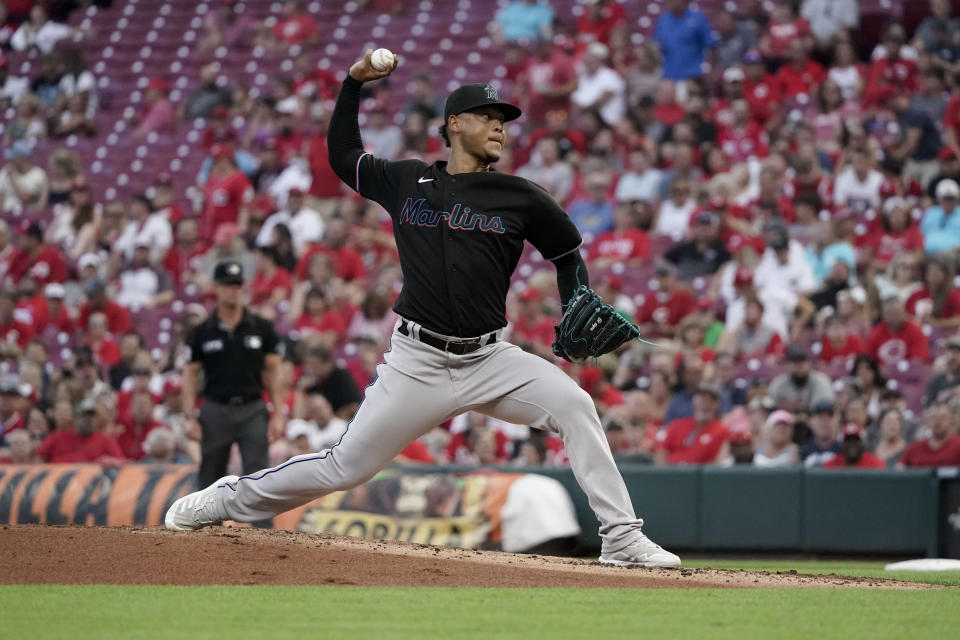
pixel 38 554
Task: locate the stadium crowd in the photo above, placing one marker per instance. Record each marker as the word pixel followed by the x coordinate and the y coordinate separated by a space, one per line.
pixel 774 201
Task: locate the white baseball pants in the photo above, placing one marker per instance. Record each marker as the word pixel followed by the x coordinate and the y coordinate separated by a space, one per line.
pixel 417 388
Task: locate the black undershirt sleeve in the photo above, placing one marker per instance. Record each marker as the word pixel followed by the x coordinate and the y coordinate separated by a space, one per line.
pixel 571 273
pixel 371 177
pixel 344 143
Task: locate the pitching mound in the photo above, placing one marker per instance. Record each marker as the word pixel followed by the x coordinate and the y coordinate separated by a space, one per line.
pixel 223 555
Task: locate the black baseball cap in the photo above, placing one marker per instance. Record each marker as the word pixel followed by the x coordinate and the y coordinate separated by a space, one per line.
pixel 228 272
pixel 796 353
pixel 478 94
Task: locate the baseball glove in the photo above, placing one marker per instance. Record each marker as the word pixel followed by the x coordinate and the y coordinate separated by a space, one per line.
pixel 590 328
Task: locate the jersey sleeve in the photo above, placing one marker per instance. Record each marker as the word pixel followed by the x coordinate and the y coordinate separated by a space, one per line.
pixel 549 229
pixel 271 340
pixel 381 180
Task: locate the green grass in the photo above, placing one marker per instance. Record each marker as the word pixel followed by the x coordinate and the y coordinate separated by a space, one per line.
pixel 841 567
pixel 81 612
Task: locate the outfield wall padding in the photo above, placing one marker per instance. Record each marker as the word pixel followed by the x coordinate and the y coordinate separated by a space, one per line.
pixel 685 508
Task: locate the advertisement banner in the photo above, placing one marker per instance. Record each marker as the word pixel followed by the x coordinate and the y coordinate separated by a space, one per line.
pixel 479 509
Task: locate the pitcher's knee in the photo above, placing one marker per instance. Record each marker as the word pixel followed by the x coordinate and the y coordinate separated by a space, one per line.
pixel 576 407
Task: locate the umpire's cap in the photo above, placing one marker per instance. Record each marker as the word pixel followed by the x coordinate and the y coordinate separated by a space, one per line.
pixel 228 272
pixel 480 94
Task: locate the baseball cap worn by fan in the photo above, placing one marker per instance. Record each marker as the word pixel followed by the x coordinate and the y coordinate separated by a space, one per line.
pixel 472 96
pixel 852 430
pixel 228 272
pixel 948 189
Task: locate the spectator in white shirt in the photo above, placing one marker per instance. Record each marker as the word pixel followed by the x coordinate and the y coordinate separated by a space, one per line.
pixel 858 186
pixel 674 217
pixel 39 32
pixel 548 170
pixel 779 305
pixel 12 88
pixel 23 185
pixel 78 79
pixel 828 17
pixel 381 137
pixel 784 265
pixel 599 87
pixel 306 225
pixel 642 182
pixel 145 228
pixel 142 284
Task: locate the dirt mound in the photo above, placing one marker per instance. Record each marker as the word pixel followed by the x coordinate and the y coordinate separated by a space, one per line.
pixel 221 555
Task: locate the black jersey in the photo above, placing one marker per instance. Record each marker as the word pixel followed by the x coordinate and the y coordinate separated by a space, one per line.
pixel 232 360
pixel 459 236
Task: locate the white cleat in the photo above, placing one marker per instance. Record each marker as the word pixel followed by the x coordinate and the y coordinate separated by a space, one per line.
pixel 196 510
pixel 642 552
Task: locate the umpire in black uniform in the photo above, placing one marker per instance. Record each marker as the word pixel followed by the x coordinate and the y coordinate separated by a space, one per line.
pixel 239 353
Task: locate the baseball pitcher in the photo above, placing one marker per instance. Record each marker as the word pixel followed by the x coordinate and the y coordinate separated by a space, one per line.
pixel 460 228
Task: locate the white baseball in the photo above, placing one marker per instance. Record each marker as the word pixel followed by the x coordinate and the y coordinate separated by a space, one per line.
pixel 382 59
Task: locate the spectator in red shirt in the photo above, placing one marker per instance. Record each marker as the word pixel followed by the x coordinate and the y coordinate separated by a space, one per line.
pixel 761 89
pixel 138 425
pixel 938 302
pixel 11 329
pixel 800 75
pixel 942 446
pixel 853 453
pixel 163 199
pixel 347 262
pixel 271 284
pixel 180 261
pixel 744 137
pixel 627 242
pixel 698 439
pixel 479 444
pixel 294 27
pixel 547 81
pixel 318 318
pixel 596 382
pixel 158 112
pixel 77 440
pixel 118 318
pixel 599 19
pixel 105 349
pixel 666 306
pixel 896 234
pixel 896 338
pixel 838 342
pixel 42 262
pixel 227 193
pixel 324 184
pixel 531 329
pixel 784 28
pixel 891 74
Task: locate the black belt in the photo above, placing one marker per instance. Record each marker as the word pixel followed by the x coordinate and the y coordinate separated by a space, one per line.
pixel 236 401
pixel 457 347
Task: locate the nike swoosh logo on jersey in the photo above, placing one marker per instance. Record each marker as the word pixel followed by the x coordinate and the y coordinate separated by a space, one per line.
pixel 422 180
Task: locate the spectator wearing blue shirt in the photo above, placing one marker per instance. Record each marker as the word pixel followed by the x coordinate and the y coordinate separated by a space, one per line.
pixel 594 214
pixel 684 35
pixel 829 247
pixel 941 222
pixel 524 20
